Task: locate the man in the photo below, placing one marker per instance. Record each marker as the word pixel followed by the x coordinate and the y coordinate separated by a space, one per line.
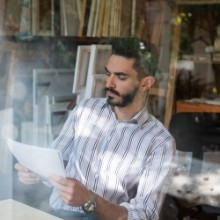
pixel 117 154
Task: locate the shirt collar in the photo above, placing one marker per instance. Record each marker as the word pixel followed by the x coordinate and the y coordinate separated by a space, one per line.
pixel 140 118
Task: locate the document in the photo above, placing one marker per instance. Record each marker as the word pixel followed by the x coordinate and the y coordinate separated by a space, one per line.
pixel 43 161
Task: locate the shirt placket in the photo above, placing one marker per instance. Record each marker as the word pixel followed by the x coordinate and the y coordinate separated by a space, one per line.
pixel 104 143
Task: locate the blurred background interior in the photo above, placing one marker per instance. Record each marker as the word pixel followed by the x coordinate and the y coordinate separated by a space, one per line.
pixel 53 53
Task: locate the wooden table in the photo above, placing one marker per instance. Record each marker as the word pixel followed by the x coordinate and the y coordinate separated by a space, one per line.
pixel 13 210
pixel 184 106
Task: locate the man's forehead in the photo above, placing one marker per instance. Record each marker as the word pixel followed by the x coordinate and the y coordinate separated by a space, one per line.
pixel 121 65
pixel 116 61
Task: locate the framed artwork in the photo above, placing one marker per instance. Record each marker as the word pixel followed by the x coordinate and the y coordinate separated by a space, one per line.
pixel 50 87
pixel 10 16
pixel 81 68
pixel 25 21
pixel 98 86
pixel 41 124
pixel 95 79
pixel 52 82
pixel 43 17
pixel 69 17
pixel 2 12
pixel 99 58
pixel 57 114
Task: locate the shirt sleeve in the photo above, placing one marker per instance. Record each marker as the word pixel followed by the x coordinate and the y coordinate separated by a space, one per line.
pixel 153 184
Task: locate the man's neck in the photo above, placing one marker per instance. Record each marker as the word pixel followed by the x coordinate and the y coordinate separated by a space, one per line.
pixel 128 112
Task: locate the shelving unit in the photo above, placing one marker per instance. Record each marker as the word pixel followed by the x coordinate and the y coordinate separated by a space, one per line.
pixel 183 106
pixel 201 60
pixel 56 44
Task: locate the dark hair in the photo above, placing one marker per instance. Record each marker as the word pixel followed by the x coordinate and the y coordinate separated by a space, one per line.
pixel 145 62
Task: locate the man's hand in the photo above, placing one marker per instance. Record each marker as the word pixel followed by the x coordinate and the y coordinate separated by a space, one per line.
pixel 71 191
pixel 26 176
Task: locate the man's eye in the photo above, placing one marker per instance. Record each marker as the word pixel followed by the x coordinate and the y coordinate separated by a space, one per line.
pixel 107 74
pixel 122 77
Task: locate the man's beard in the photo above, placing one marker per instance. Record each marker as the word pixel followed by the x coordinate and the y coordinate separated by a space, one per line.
pixel 125 98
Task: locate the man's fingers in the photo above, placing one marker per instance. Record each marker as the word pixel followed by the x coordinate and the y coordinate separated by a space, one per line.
pixel 20 167
pixel 63 184
pixel 28 180
pixel 26 176
pixel 58 179
pixel 58 182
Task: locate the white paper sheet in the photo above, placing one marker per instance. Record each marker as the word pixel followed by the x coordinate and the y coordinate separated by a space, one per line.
pixel 40 160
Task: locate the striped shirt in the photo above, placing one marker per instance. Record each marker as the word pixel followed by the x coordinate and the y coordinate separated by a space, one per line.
pixel 125 162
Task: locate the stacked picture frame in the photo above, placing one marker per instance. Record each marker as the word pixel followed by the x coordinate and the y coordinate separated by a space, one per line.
pixel 89 78
pixel 52 92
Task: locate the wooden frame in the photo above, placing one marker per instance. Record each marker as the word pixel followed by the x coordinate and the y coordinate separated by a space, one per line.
pixel 96 86
pixel 49 85
pixel 46 77
pixel 91 21
pixel 81 69
pixel 69 17
pixel 2 17
pixel 42 26
pixel 99 86
pixel 57 114
pixel 11 16
pixel 25 21
pixel 98 59
pixel 184 106
pixel 196 2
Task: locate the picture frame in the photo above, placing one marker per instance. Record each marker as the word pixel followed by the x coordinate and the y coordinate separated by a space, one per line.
pixel 10 16
pixel 43 17
pixel 51 81
pixel 2 17
pixel 25 21
pixel 96 74
pixel 98 86
pixel 50 87
pixel 81 68
pixel 99 58
pixel 69 17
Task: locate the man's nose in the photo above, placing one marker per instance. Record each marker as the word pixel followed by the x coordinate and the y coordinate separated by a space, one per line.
pixel 110 81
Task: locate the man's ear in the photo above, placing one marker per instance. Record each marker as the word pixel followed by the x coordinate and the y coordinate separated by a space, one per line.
pixel 147 82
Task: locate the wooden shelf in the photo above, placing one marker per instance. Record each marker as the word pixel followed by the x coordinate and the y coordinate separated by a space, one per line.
pixel 196 2
pixel 183 106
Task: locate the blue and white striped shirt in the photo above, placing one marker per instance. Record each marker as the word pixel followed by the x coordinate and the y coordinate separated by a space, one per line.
pixel 126 162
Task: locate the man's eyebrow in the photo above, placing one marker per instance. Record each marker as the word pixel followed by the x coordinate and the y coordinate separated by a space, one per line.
pixel 106 69
pixel 116 73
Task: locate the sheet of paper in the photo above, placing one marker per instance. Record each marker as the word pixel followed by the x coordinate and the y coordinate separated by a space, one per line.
pixel 40 160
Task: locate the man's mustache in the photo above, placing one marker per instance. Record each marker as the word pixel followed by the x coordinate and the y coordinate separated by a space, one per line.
pixel 112 91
